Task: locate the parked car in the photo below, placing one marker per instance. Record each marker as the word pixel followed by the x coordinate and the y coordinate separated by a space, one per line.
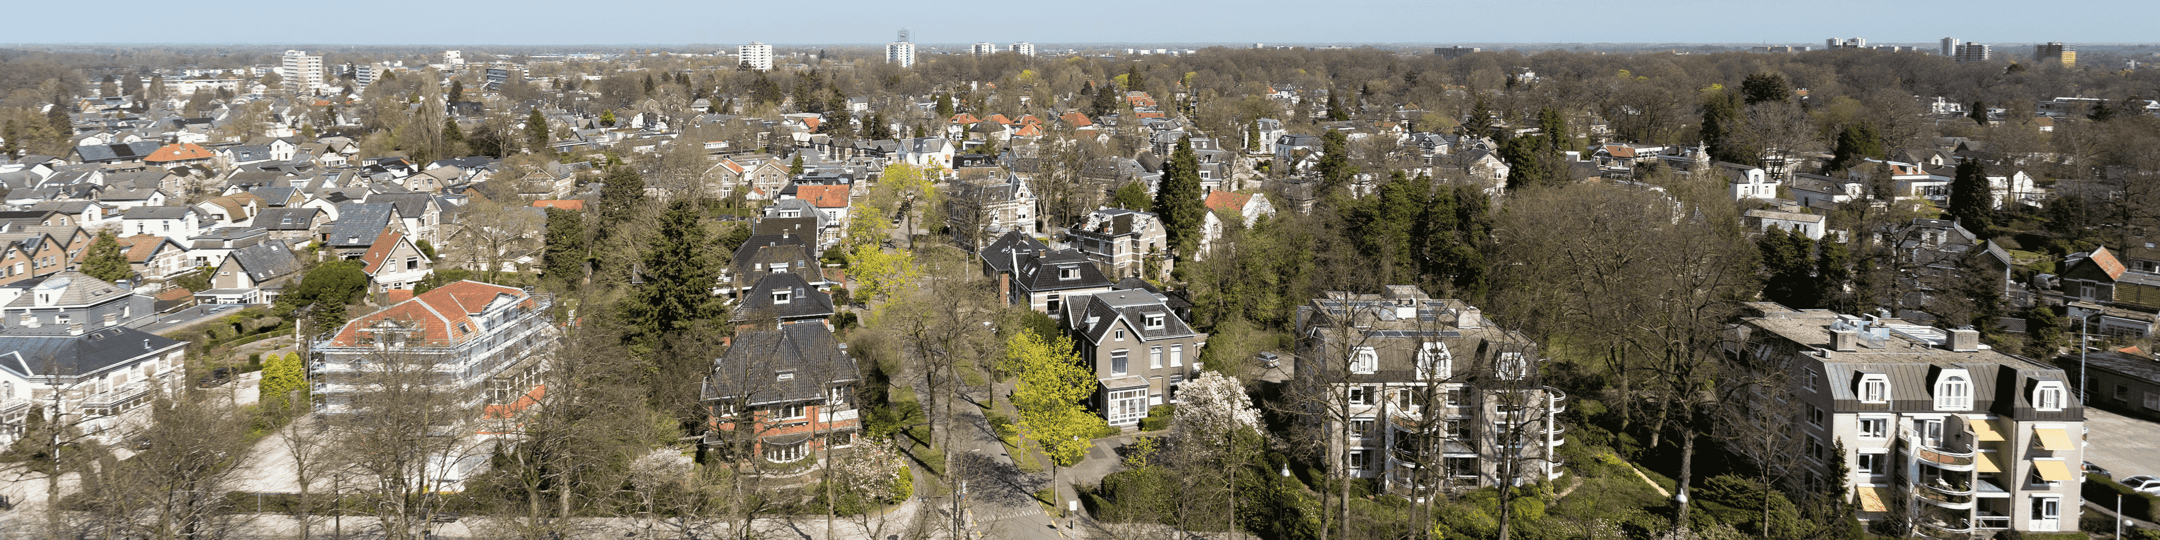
pixel 2090 468
pixel 2143 484
pixel 218 377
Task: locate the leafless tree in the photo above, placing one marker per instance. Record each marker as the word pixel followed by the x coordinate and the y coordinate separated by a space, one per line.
pixel 407 430
pixel 176 485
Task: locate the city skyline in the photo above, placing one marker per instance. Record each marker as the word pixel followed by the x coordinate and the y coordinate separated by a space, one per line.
pixel 859 22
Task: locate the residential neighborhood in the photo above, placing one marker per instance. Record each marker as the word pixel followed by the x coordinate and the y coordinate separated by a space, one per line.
pixel 1024 289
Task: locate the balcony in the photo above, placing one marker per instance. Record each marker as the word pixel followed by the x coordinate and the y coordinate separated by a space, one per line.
pixel 117 396
pixel 1939 457
pixel 828 417
pixel 1943 498
pixel 1557 398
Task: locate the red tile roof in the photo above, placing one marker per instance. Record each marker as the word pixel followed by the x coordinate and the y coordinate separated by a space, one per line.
pixel 500 411
pixel 398 295
pixel 2106 261
pixel 380 250
pixel 1152 115
pixel 811 122
pixel 835 196
pixel 566 204
pixel 1228 200
pixel 999 118
pixel 436 313
pixel 731 165
pixel 1030 120
pixel 178 152
pixel 1030 130
pixel 964 118
pixel 1620 150
pixel 1076 119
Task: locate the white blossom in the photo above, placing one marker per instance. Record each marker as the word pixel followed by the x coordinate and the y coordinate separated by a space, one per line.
pixel 1210 407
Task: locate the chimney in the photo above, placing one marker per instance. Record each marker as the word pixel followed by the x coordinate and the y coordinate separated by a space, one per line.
pixel 1964 340
pixel 75 329
pixel 1844 340
pixel 1469 319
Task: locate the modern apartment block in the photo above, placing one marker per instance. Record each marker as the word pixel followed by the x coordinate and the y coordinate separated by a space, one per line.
pixel 1024 48
pixel 983 49
pixel 302 70
pixel 487 343
pixel 756 55
pixel 1972 52
pixel 1438 397
pixel 2055 51
pixel 1938 431
pixel 900 52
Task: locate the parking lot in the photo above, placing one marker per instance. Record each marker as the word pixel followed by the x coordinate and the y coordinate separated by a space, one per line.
pixel 2122 445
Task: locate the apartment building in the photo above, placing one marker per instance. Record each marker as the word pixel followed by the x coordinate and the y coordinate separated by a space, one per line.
pixel 302 70
pixel 94 379
pixel 756 55
pixel 1437 397
pixel 486 343
pixel 1938 431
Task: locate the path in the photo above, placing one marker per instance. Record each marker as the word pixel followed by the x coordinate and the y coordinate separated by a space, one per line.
pixel 1646 479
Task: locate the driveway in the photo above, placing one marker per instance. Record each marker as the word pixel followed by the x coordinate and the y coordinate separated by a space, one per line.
pixel 189 316
pixel 2123 445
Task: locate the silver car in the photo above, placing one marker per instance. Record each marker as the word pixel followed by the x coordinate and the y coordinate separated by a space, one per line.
pixel 2143 484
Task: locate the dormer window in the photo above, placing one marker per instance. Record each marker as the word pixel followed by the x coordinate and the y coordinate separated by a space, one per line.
pixel 1434 362
pixel 1068 272
pixel 1364 361
pixel 1511 366
pixel 1953 392
pixel 2048 396
pixel 1155 322
pixel 1874 388
pixel 781 297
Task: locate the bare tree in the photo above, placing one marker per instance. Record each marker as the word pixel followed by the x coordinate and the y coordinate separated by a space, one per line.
pixel 175 486
pixel 407 431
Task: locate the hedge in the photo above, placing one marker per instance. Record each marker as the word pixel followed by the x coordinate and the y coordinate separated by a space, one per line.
pixel 2101 490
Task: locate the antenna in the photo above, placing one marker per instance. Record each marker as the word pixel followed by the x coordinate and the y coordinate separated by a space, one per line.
pixel 903 35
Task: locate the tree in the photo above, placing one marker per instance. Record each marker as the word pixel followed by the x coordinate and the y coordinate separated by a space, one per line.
pixel 795 167
pixel 1789 265
pixel 944 106
pixel 1050 395
pixel 329 287
pixel 1855 143
pixel 1336 171
pixel 1553 128
pixel 1132 196
pixel 1723 127
pixel 395 432
pixel 1979 113
pixel 2043 331
pixel 457 91
pixel 105 260
pixel 1178 200
pixel 622 196
pixel 536 131
pixel 607 118
pixel 1971 199
pixel 1765 87
pixel 1335 109
pixel 565 254
pixel 282 376
pixel 1833 275
pixel 679 274
pixel 878 274
pixel 1104 101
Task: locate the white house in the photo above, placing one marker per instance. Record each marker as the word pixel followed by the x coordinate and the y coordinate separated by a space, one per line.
pixel 1806 224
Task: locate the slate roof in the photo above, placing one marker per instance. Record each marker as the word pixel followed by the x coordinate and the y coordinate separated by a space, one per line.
pixel 287 219
pixel 758 255
pixel 266 261
pixel 409 205
pixel 795 362
pixel 51 351
pixel 78 289
pixel 358 224
pixel 1002 254
pixel 776 226
pixel 106 153
pixel 1095 315
pixel 1041 272
pixel 804 301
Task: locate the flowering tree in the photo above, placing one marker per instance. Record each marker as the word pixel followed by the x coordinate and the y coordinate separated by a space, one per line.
pixel 1211 408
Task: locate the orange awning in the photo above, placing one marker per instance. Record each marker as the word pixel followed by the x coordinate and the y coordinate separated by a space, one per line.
pixel 2053 470
pixel 1985 462
pixel 1871 500
pixel 2053 439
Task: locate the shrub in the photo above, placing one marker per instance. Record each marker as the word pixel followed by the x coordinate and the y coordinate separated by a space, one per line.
pixel 1158 418
pixel 2136 505
pixel 904 486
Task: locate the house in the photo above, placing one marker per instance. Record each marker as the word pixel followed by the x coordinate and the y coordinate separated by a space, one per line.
pixel 1747 182
pixel 29 255
pixel 177 223
pixel 1002 256
pixel 782 394
pixel 422 213
pixel 928 153
pixel 1123 241
pixel 116 154
pixel 212 246
pixel 782 298
pixel 1043 280
pixel 175 155
pixel 155 258
pixel 1435 395
pixel 393 262
pixel 1807 225
pixel 977 211
pixel 761 255
pixel 72 297
pixel 1824 192
pixel 1937 430
pixel 293 224
pixel 2129 379
pixel 255 274
pixel 357 227
pixel 2101 290
pixel 2017 188
pixel 495 339
pixel 1290 149
pixel 102 377
pixel 1139 351
pixel 231 210
pixel 1227 207
pixel 831 204
pixel 757 177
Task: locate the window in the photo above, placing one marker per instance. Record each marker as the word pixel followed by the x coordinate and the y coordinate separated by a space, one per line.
pixel 1512 366
pixel 1068 272
pixel 2122 393
pixel 1454 397
pixel 1816 450
pixel 2048 396
pixel 1128 406
pixel 1055 301
pixel 2088 292
pixel 1457 428
pixel 1117 362
pixel 1364 361
pixel 784 454
pixel 1434 362
pixel 789 412
pixel 1358 460
pixel 2047 507
pixel 1361 428
pixel 1358 397
pixel 1953 392
pixel 781 297
pixel 412 263
pixel 1121 334
pixel 1154 322
pixel 1874 388
pixel 1874 428
pixel 1154 358
pixel 1814 416
pixel 1177 356
pixel 1871 464
pixel 2152 400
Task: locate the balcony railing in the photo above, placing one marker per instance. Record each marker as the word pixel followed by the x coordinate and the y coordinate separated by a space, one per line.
pixel 1558 399
pixel 1937 456
pixel 117 396
pixel 1944 500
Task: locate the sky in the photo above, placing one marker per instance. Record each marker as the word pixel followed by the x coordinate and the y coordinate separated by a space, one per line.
pixel 682 22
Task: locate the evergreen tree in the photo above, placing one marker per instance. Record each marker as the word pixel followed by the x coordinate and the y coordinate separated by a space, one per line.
pixel 944 106
pixel 1335 168
pixel 281 376
pixel 1481 122
pixel 105 260
pixel 1335 109
pixel 1978 113
pixel 457 91
pixel 1765 87
pixel 57 118
pixel 452 135
pixel 1971 200
pixel 1722 122
pixel 1552 126
pixel 565 254
pixel 1104 102
pixel 536 131
pixel 13 140
pixel 1134 80
pixel 1526 164
pixel 795 167
pixel 1788 261
pixel 1132 196
pixel 1832 276
pixel 1857 142
pixel 1178 200
pixel 679 272
pixel 2043 331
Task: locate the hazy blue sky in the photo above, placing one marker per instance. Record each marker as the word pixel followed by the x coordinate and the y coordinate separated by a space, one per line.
pixel 455 22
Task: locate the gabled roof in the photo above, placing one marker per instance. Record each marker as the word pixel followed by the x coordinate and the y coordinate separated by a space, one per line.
pixel 443 315
pixel 287 219
pixel 795 362
pixel 157 212
pixel 409 205
pixel 1095 315
pixel 804 301
pixel 266 261
pixel 75 289
pixel 2094 265
pixel 379 251
pixel 1075 119
pixel 140 248
pixel 1047 271
pixel 358 223
pixel 178 152
pixel 1005 252
pixel 832 196
pixel 1228 200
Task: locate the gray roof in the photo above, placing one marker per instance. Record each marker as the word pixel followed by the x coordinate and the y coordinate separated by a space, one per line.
pixel 804 300
pixel 101 153
pixel 266 261
pixel 775 226
pixel 1044 271
pixel 50 351
pixel 287 219
pixel 795 362
pixel 1002 254
pixel 76 289
pixel 408 204
pixel 1093 316
pixel 358 224
pixel 157 212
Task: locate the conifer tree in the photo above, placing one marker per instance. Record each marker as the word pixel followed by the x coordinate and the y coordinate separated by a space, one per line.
pixel 565 253
pixel 679 273
pixel 1971 200
pixel 536 131
pixel 105 260
pixel 1978 113
pixel 1177 199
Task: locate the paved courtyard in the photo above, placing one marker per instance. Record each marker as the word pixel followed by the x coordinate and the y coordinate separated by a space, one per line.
pixel 2123 445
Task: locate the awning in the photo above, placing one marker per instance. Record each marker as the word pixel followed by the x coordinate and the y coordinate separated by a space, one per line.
pixel 1984 431
pixel 2053 470
pixel 1871 500
pixel 2053 439
pixel 1985 462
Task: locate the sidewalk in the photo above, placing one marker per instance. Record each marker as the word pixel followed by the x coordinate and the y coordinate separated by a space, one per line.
pixel 2107 508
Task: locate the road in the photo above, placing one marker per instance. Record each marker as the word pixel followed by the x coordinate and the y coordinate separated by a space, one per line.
pixel 189 316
